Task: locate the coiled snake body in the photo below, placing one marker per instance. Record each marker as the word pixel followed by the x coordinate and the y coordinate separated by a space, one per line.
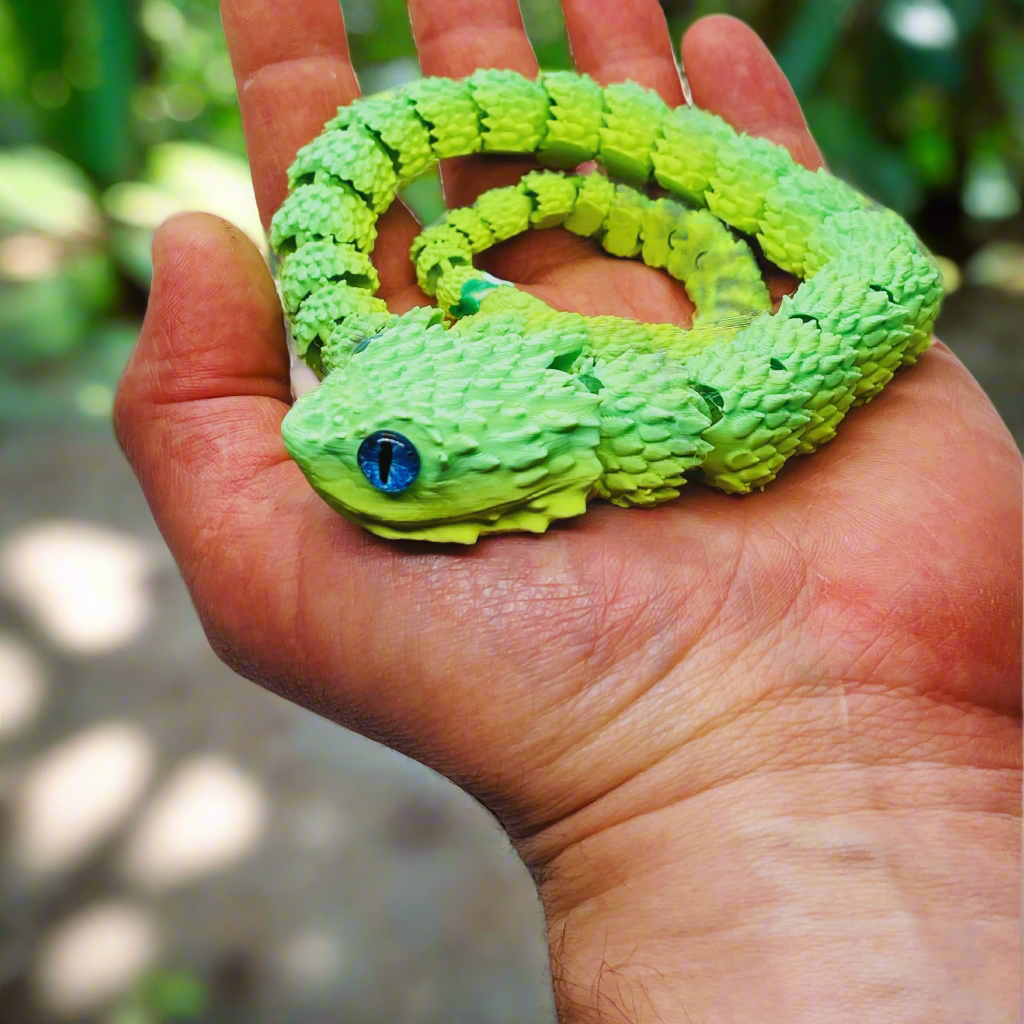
pixel 516 414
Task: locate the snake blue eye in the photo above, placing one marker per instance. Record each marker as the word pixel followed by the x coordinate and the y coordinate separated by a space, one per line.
pixel 389 461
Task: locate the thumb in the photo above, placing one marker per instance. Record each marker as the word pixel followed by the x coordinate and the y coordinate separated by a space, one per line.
pixel 199 406
pixel 213 324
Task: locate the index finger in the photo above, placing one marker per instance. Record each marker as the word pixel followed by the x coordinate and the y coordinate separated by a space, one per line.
pixel 292 66
pixel 293 71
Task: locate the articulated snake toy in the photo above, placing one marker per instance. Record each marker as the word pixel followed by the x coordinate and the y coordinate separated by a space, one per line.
pixel 494 412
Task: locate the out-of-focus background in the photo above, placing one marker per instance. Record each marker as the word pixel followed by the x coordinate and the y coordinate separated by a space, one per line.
pixel 177 845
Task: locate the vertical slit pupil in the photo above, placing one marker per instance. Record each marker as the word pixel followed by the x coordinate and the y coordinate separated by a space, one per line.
pixel 389 461
pixel 384 458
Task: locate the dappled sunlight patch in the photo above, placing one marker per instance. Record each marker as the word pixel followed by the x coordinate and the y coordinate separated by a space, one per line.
pixel 208 815
pixel 22 686
pixel 93 956
pixel 76 793
pixel 83 584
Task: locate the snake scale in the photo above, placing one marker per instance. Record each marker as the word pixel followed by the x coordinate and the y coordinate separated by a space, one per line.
pixel 494 412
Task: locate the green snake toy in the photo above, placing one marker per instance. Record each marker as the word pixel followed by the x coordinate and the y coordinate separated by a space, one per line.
pixel 494 412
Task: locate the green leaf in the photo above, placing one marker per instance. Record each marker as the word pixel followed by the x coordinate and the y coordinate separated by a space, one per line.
pixel 44 319
pixel 854 152
pixel 1007 64
pixel 931 154
pixel 175 995
pixel 78 389
pixel 184 176
pixel 989 192
pixel 101 66
pixel 39 321
pixel 805 50
pixel 132 248
pixel 43 191
pixel 545 27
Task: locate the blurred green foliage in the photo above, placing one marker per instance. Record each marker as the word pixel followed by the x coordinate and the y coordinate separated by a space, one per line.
pixel 162 997
pixel 116 113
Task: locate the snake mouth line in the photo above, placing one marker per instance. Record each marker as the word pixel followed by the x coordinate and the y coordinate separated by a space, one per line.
pixel 482 515
pixel 482 519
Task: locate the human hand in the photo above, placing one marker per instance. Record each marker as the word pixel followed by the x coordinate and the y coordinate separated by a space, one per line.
pixel 759 753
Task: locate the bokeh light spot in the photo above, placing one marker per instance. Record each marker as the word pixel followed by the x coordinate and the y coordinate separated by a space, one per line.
pixel 93 956
pixel 77 793
pixel 310 958
pixel 22 686
pixel 85 585
pixel 928 24
pixel 208 815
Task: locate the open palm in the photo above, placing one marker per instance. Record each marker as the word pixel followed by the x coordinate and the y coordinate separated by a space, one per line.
pixel 640 696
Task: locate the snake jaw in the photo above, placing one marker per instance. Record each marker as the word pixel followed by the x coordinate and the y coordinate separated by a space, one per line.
pixel 534 516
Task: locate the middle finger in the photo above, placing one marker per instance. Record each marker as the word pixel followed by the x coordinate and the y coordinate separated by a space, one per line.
pixel 455 38
pixel 613 40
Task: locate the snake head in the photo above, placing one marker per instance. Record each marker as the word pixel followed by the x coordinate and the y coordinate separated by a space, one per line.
pixel 444 435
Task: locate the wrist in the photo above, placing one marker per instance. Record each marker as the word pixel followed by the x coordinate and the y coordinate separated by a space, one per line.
pixel 852 889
